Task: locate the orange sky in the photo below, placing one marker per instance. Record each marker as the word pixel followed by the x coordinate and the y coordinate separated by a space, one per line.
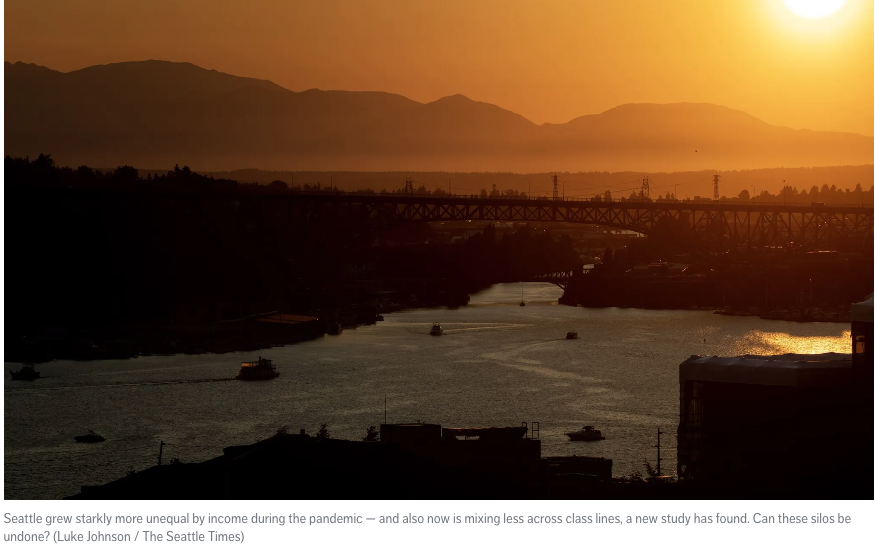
pixel 550 61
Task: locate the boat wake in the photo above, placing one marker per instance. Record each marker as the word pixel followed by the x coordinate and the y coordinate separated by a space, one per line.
pixel 112 384
pixel 482 328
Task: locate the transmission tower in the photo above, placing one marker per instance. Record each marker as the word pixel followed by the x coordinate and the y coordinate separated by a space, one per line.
pixel 555 187
pixel 408 185
pixel 645 189
pixel 716 187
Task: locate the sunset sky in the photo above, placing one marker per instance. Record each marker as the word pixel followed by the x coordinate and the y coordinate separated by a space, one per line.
pixel 550 61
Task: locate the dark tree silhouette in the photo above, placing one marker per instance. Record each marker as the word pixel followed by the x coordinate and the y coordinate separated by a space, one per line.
pixel 323 433
pixel 372 434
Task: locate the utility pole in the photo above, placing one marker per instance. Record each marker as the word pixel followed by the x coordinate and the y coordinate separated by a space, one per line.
pixel 555 187
pixel 408 185
pixel 160 452
pixel 658 452
pixel 645 189
pixel 716 187
pixel 450 187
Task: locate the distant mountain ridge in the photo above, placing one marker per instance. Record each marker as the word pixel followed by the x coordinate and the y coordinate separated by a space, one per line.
pixel 153 114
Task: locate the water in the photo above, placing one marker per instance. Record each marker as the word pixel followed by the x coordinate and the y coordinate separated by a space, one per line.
pixel 498 364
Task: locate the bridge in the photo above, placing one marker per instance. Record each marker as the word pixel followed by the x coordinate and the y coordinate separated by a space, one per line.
pixel 712 225
pixel 560 278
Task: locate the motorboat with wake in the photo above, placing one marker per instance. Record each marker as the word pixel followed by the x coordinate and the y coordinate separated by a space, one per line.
pixel 89 437
pixel 586 433
pixel 263 369
pixel 27 372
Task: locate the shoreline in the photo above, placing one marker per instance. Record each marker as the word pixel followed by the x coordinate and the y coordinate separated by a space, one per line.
pixel 793 315
pixel 253 333
pixel 246 334
pixel 786 315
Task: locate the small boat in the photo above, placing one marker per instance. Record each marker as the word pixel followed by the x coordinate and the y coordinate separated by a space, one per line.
pixel 436 330
pixel 587 433
pixel 571 335
pixel 522 303
pixel 522 295
pixel 27 372
pixel 90 437
pixel 263 369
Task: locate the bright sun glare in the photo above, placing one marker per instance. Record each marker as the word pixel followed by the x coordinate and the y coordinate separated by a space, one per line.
pixel 814 9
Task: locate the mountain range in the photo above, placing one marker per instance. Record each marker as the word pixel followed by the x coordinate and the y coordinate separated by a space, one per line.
pixel 154 114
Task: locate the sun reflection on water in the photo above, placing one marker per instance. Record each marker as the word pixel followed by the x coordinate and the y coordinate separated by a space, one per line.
pixel 770 342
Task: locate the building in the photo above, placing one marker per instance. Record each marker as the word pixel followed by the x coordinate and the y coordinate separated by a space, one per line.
pixel 861 333
pixel 493 451
pixel 792 424
pixel 862 348
pixel 410 461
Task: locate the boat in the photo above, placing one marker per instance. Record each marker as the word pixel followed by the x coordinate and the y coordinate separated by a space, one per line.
pixel 263 369
pixel 492 434
pixel 89 437
pixel 586 433
pixel 522 295
pixel 27 372
pixel 436 329
pixel 571 335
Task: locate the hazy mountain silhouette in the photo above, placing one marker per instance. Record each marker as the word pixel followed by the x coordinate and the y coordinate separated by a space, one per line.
pixel 154 114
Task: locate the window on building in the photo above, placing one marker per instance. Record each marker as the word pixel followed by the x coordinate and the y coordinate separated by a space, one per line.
pixel 860 344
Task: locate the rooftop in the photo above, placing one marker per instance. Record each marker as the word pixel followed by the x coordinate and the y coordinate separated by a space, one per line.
pixel 773 370
pixel 862 312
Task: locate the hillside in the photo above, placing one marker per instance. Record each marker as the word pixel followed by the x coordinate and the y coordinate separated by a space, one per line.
pixel 155 114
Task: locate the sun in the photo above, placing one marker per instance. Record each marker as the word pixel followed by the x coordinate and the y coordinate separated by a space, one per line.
pixel 814 9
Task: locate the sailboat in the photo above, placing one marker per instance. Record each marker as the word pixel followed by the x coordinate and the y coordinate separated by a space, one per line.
pixel 522 295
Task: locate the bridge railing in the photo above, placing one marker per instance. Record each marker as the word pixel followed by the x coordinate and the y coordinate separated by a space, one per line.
pixel 539 199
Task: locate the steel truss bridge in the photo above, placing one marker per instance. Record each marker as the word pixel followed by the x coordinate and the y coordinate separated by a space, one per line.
pixel 560 278
pixel 705 225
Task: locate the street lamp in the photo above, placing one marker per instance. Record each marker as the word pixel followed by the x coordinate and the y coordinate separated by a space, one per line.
pixel 754 192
